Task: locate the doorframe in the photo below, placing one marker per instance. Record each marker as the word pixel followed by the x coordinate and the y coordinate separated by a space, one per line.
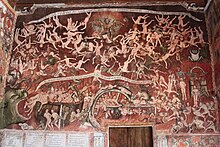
pixel 131 125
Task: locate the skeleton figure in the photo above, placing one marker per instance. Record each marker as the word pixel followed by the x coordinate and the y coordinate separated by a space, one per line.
pixel 194 55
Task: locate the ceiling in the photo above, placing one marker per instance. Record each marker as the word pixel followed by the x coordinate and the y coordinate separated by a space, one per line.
pixel 19 4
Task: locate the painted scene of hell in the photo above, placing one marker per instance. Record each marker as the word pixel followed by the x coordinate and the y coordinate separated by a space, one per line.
pixel 86 69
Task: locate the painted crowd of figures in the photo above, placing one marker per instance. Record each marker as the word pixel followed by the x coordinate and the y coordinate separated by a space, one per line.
pixel 109 66
pixel 6 28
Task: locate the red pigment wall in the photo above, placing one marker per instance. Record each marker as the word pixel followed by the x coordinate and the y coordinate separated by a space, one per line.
pixel 7 17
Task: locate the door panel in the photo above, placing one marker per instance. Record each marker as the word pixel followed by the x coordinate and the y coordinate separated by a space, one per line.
pixel 130 137
pixel 118 137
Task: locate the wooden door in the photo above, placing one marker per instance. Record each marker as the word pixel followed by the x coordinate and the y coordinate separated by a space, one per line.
pixel 130 137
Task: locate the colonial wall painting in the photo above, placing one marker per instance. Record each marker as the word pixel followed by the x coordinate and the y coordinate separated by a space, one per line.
pixel 84 69
pixel 212 19
pixel 216 50
pixel 7 17
pixel 217 4
pixel 194 140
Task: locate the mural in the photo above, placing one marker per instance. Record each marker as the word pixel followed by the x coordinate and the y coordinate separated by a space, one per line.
pixel 179 141
pixel 213 18
pixel 187 140
pixel 216 5
pixel 86 69
pixel 216 52
pixel 7 17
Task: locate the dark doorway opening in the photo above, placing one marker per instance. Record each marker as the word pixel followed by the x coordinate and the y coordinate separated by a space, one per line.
pixel 130 137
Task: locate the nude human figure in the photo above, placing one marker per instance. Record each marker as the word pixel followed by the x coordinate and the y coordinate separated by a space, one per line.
pixel 79 45
pixel 140 69
pixel 134 51
pixel 42 66
pixel 72 26
pixel 132 34
pixel 161 20
pixel 165 23
pixel 193 38
pixel 139 18
pixel 30 28
pixel 57 22
pixel 187 110
pixel 156 38
pixel 55 118
pixel 69 39
pixel 195 94
pixel 97 51
pixel 181 24
pixel 124 68
pixel 145 28
pixel 50 36
pixel 198 122
pixel 41 33
pixel 104 59
pixel 205 110
pixel 80 63
pixel 86 20
pixel 112 53
pixel 199 34
pixel 47 115
pixel 124 49
pixel 31 65
pixel 182 85
pixel 21 66
pixel 67 61
pixel 16 38
pixel 162 82
pixel 165 57
pixel 60 70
